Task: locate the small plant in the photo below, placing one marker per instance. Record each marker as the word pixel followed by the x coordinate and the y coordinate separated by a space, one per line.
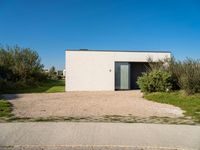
pixel 155 81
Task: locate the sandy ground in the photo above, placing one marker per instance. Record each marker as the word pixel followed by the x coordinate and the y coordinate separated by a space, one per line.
pixel 84 104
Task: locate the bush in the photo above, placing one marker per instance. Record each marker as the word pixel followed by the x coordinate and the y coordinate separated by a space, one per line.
pixel 187 74
pixel 20 67
pixel 59 77
pixel 184 75
pixel 155 81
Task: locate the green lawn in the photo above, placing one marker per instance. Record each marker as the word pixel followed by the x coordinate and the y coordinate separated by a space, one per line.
pixel 191 104
pixel 50 86
pixel 5 109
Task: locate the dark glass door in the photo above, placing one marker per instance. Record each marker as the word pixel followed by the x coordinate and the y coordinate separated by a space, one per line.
pixel 122 76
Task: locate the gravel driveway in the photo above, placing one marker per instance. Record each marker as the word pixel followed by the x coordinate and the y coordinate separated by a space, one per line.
pixel 84 104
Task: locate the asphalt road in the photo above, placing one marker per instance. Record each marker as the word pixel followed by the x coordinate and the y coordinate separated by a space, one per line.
pixel 107 136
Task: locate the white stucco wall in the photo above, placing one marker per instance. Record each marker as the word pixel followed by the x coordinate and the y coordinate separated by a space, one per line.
pixel 94 70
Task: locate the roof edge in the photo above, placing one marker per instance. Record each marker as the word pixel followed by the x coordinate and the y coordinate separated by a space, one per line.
pixel 150 51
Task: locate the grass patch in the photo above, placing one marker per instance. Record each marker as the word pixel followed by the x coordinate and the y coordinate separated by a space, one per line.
pixel 107 118
pixel 5 109
pixel 50 86
pixel 190 104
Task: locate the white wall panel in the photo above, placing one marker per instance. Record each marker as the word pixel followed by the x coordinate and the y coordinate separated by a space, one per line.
pixel 94 70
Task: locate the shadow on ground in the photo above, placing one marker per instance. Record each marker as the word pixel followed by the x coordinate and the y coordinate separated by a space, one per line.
pixel 10 96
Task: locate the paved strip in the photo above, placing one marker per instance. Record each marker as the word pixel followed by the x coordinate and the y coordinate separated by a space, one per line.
pixel 110 135
pixel 85 147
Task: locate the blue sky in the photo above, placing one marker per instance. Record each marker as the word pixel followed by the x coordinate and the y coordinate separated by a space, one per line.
pixel 52 26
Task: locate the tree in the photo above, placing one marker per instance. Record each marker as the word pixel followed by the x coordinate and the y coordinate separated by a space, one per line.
pixel 52 73
pixel 19 64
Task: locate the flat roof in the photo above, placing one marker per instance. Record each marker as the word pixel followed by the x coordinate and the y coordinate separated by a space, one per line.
pixel 150 51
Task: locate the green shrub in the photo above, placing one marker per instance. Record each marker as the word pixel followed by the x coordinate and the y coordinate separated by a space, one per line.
pixel 155 81
pixel 187 74
pixel 20 67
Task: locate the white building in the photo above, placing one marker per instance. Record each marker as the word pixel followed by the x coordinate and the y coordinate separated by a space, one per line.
pixel 64 72
pixel 107 70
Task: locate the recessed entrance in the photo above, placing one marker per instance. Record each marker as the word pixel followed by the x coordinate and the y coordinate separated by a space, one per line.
pixel 126 74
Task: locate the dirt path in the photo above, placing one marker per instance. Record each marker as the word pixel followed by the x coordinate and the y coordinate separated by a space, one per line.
pixel 84 104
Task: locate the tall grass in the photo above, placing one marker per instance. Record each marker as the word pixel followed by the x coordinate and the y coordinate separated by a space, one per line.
pixel 185 74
